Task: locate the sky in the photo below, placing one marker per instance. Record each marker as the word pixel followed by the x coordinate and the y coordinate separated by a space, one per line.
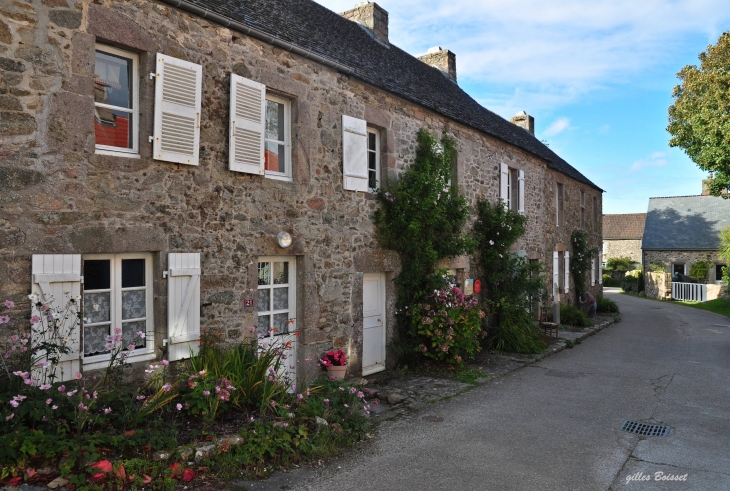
pixel 597 76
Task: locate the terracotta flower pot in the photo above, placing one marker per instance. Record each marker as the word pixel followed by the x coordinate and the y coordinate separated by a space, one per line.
pixel 337 372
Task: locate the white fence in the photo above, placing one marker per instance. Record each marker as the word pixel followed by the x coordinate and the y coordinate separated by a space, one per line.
pixel 693 292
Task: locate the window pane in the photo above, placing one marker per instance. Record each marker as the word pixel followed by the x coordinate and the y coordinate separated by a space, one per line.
pixel 274 121
pixel 371 141
pixel 113 128
pixel 281 298
pixel 718 272
pixel 280 323
pixel 372 179
pixel 372 163
pixel 275 157
pixel 112 77
pixel 264 273
pixel 97 307
pixel 97 274
pixel 134 305
pixel 263 324
pixel 129 334
pixel 264 304
pixel 281 273
pixel 132 273
pixel 95 340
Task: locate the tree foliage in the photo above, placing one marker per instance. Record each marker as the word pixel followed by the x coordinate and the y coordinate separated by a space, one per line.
pixel 581 261
pixel 699 119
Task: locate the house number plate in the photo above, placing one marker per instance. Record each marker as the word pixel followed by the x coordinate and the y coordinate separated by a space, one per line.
pixel 248 302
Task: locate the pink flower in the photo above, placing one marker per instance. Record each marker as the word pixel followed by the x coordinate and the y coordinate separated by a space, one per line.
pixel 78 376
pixel 54 407
pixel 131 347
pixel 9 304
pixel 272 403
pixel 326 401
pixel 300 396
pixel 140 398
pixel 165 363
pixel 48 401
pixel 179 407
pixel 117 330
pixel 14 337
pixel 4 319
pixel 82 407
pixel 206 393
pixel 166 387
pixel 141 334
pixel 8 418
pixel 45 386
pixel 24 348
pixel 201 373
pixel 353 390
pixel 70 394
pixel 61 388
pixel 251 329
pixel 28 381
pixel 360 395
pixel 35 319
pixel 14 403
pixel 107 410
pixel 347 405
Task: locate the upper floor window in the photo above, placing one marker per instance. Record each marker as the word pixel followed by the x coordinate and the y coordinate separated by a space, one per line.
pixel 559 204
pixel 116 101
pixel 582 209
pixel 373 159
pixel 277 146
pixel 512 188
pixel 595 212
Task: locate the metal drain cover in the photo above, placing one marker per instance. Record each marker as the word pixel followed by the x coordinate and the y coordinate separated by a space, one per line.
pixel 645 429
pixel 433 419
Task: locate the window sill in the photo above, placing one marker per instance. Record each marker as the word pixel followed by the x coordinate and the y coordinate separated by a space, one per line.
pixel 112 153
pixel 102 361
pixel 278 177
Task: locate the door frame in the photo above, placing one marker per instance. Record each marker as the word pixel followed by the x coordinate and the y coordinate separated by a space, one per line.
pixel 381 277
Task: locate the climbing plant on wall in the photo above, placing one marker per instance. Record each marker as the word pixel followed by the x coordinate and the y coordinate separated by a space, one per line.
pixel 422 217
pixel 580 261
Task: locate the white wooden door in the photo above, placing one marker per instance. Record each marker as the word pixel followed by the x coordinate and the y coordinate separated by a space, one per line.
pixel 373 323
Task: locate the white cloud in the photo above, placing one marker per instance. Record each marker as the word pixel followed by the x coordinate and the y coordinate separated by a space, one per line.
pixel 656 159
pixel 557 126
pixel 560 50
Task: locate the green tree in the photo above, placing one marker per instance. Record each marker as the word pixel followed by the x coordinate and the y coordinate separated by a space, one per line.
pixel 699 119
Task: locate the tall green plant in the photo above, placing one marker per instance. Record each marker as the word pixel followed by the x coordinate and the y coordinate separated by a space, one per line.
pixel 580 262
pixel 422 217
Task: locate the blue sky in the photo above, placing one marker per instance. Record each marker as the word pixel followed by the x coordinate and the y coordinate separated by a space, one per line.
pixel 597 76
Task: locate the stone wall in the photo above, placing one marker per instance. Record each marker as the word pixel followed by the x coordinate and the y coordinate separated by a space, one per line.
pixel 62 197
pixel 667 258
pixel 622 248
pixel 658 285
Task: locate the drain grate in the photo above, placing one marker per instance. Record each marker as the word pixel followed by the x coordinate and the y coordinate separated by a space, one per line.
pixel 644 429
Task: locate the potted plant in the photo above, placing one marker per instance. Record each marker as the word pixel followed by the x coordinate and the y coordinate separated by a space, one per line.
pixel 336 363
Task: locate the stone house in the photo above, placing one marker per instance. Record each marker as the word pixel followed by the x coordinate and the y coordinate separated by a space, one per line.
pixel 683 230
pixel 622 234
pixel 200 166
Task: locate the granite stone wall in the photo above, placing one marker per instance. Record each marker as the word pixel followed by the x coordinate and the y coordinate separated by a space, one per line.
pixel 622 248
pixel 59 196
pixel 667 258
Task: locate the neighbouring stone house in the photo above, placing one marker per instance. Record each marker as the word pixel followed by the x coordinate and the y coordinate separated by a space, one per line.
pixel 200 165
pixel 622 235
pixel 683 230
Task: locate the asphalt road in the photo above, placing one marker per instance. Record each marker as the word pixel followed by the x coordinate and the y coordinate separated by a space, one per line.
pixel 555 425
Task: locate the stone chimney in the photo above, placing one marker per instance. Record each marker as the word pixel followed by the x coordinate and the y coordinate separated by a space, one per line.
pixel 443 59
pixel 706 186
pixel 525 121
pixel 371 16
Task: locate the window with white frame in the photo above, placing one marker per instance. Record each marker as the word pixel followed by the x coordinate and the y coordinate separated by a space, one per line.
pixel 276 295
pixel 559 197
pixel 116 101
pixel 277 138
pixel 117 306
pixel 373 159
pixel 512 188
pixel 719 273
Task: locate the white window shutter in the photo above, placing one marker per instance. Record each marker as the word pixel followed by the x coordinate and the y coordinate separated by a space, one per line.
pixel 183 305
pixel 593 271
pixel 600 268
pixel 354 154
pixel 556 273
pixel 567 271
pixel 178 92
pixel 246 132
pixel 52 275
pixel 521 192
pixel 503 184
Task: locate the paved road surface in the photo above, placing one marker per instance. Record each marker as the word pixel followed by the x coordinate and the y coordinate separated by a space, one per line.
pixel 555 425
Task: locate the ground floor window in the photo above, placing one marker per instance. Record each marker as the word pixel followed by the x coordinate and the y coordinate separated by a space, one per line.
pixel 718 273
pixel 678 268
pixel 117 305
pixel 276 295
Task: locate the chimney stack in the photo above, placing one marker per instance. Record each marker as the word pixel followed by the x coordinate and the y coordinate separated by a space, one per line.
pixel 371 16
pixel 443 59
pixel 525 121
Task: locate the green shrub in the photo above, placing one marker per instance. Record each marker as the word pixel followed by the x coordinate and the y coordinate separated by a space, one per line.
pixel 516 332
pixel 632 281
pixel 623 263
pixel 573 316
pixel 606 305
pixel 657 268
pixel 700 270
pixel 608 280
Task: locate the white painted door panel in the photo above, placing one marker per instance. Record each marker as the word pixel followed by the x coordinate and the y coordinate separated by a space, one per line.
pixel 373 337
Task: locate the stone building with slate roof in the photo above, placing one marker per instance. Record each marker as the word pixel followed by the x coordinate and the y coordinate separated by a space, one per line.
pixel 682 230
pixel 209 164
pixel 622 235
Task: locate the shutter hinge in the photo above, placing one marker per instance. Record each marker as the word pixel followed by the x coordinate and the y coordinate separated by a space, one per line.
pixel 151 138
pixel 165 341
pixel 152 75
pixel 164 274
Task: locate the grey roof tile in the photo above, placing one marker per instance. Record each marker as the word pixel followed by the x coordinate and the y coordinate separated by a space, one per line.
pixel 685 222
pixel 313 27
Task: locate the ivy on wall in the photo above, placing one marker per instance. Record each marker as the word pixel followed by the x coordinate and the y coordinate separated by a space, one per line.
pixel 422 217
pixel 580 261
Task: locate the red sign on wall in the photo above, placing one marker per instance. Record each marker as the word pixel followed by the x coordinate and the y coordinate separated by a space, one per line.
pixel 248 302
pixel 477 286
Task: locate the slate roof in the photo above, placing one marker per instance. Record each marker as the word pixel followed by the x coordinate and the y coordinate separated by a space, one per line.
pixel 624 226
pixel 317 29
pixel 685 222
